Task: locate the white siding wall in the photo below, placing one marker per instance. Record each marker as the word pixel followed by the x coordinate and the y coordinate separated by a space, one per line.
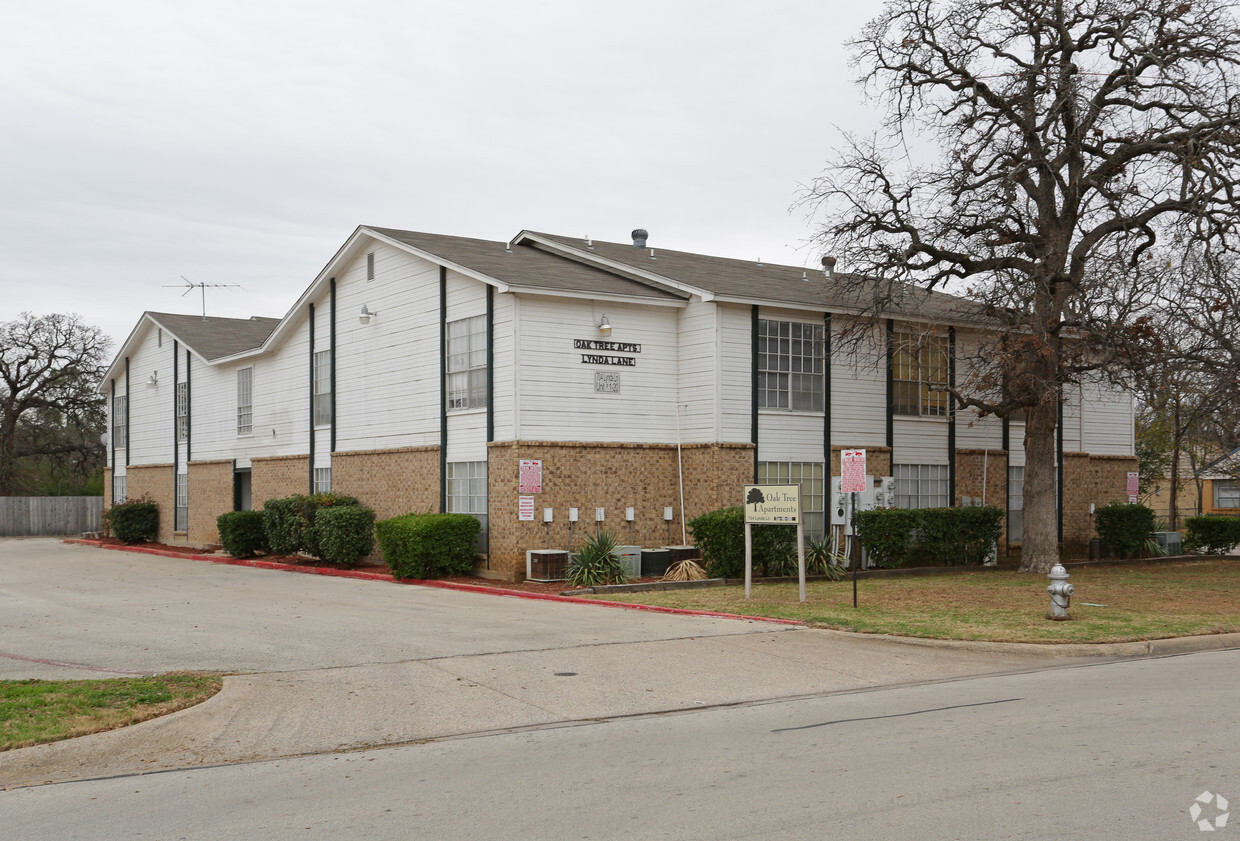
pixel 700 371
pixel 503 359
pixel 387 372
pixel 150 407
pixel 858 393
pixel 1072 419
pixel 1108 420
pixel 919 440
pixel 735 377
pixel 467 428
pixel 558 401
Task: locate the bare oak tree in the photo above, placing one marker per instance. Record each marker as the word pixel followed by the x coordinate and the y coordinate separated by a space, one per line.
pixel 1036 154
pixel 50 367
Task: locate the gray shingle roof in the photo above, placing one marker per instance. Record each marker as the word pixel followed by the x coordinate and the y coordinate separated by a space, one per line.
pixel 766 283
pixel 216 337
pixel 524 267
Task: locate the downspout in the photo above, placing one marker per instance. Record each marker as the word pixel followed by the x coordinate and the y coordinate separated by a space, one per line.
pixel 951 417
pixel 891 391
pixel 490 406
pixel 1007 485
pixel 176 439
pixel 128 414
pixel 826 405
pixel 443 389
pixel 332 400
pixel 753 387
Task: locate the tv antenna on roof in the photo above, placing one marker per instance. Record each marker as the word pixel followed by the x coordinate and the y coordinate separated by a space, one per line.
pixel 190 286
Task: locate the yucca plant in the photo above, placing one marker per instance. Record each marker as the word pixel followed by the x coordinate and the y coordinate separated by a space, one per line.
pixel 597 563
pixel 820 560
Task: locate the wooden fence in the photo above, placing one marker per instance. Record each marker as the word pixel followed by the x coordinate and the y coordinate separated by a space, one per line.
pixel 49 516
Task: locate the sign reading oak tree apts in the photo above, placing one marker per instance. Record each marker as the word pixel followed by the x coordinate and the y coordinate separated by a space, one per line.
pixel 773 504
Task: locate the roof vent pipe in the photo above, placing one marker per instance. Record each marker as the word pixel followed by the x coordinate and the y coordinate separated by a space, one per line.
pixel 828 265
pixel 639 237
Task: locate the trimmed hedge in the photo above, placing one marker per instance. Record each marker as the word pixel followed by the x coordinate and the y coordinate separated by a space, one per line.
pixel 243 533
pixel 935 536
pixel 290 522
pixel 428 545
pixel 1213 535
pixel 1124 527
pixel 344 533
pixel 721 537
pixel 133 522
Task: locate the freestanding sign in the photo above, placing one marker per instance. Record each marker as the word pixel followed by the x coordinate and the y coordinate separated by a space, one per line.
pixel 852 481
pixel 1134 487
pixel 773 505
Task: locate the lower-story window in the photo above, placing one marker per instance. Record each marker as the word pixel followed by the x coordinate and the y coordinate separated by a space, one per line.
pixel 118 489
pixel 1226 494
pixel 467 494
pixel 921 485
pixel 322 480
pixel 182 503
pixel 807 474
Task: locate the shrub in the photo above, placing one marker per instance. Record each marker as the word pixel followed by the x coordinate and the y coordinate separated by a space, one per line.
pixel 721 537
pixel 1213 535
pixel 597 563
pixel 290 521
pixel 243 533
pixel 280 517
pixel 1124 527
pixel 934 536
pixel 344 534
pixel 886 534
pixel 136 521
pixel 428 545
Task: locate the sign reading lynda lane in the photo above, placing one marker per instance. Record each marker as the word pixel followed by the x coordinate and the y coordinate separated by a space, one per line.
pixel 773 504
pixel 610 348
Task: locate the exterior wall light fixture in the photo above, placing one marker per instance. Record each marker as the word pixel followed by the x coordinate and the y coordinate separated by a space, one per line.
pixel 365 315
pixel 154 378
pixel 604 326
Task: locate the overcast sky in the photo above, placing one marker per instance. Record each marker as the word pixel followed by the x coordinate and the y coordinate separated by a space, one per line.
pixel 242 142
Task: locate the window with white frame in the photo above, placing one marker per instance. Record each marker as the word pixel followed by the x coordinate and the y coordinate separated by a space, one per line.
pixel 791 365
pixel 120 421
pixel 182 503
pixel 118 489
pixel 1226 494
pixel 919 373
pixel 467 363
pixel 467 493
pixel 1016 503
pixel 921 485
pixel 182 411
pixel 810 476
pixel 323 388
pixel 245 401
pixel 322 480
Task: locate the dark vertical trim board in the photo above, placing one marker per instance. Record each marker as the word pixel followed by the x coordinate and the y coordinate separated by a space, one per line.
pixel 310 399
pixel 1059 468
pixel 753 386
pixel 443 390
pixel 891 391
pixel 333 358
pixel 1007 484
pixel 112 433
pixel 128 415
pixel 490 407
pixel 826 395
pixel 189 414
pixel 176 441
pixel 951 418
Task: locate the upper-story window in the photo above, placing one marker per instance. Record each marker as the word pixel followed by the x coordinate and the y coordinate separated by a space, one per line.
pixel 467 363
pixel 323 388
pixel 182 411
pixel 791 363
pixel 245 401
pixel 120 420
pixel 919 369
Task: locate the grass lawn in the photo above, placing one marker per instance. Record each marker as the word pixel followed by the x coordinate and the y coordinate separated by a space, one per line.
pixel 1142 601
pixel 36 711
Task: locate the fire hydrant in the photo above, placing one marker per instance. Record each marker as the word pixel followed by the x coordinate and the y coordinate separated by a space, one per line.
pixel 1061 593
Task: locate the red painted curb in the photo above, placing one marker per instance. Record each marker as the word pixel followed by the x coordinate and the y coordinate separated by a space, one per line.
pixel 443 585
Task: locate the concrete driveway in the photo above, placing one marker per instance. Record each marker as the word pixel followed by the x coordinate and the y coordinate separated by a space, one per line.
pixel 336 664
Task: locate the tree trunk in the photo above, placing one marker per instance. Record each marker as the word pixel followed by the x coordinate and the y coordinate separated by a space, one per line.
pixel 1039 543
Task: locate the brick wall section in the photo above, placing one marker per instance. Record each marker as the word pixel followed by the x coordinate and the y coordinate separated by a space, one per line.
pixel 971 466
pixel 877 460
pixel 210 495
pixel 277 477
pixel 154 481
pixel 610 476
pixel 392 482
pixel 1090 479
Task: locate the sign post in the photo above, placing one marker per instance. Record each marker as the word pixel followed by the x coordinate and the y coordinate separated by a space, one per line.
pixel 852 482
pixel 773 505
